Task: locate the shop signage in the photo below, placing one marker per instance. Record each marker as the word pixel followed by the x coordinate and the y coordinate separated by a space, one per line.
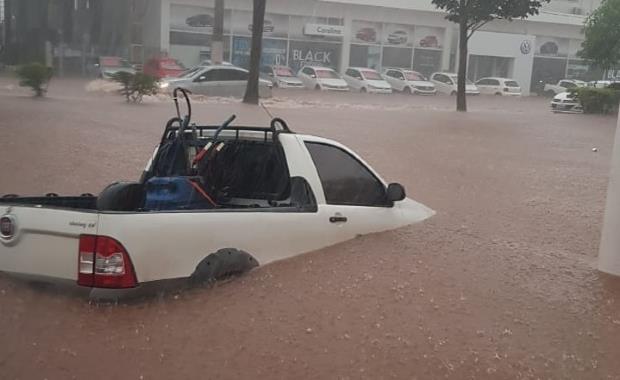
pixel 323 30
pixel 526 47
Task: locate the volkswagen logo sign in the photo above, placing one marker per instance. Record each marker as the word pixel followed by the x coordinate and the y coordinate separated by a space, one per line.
pixel 526 47
pixel 7 227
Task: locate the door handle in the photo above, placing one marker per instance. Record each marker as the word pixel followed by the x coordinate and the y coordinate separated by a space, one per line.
pixel 338 219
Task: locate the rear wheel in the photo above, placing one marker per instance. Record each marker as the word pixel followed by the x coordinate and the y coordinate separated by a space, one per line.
pixel 317 87
pixel 453 93
pixel 363 90
pixel 498 94
pixel 407 90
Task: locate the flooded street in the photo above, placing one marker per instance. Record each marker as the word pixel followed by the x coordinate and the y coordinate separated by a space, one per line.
pixel 500 284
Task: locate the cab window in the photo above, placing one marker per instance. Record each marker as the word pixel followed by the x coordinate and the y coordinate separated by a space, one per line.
pixel 345 180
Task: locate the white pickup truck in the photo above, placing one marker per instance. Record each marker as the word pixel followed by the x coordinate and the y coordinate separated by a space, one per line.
pixel 264 194
pixel 562 86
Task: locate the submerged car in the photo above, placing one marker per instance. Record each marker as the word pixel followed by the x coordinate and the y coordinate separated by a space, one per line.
pixel 447 83
pixel 163 67
pixel 281 76
pixel 107 67
pixel 363 79
pixel 409 82
pixel 213 201
pixel 499 86
pixel 566 102
pixel 322 78
pixel 215 80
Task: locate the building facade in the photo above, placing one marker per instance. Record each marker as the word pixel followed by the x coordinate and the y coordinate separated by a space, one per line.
pixel 389 33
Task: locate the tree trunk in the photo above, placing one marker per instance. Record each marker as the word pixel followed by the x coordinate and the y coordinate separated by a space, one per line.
pixel 258 19
pixel 217 43
pixel 461 98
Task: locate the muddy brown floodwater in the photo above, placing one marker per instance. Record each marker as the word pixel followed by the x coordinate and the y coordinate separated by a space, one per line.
pixel 500 284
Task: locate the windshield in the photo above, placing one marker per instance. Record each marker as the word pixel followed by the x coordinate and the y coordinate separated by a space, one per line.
pixel 414 76
pixel 456 78
pixel 190 72
pixel 371 75
pixel 511 83
pixel 327 74
pixel 284 72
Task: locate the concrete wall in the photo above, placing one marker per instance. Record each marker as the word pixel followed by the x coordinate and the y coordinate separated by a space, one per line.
pixel 517 47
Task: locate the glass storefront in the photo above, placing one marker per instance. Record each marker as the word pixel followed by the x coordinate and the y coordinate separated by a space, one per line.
pixel 427 61
pixel 365 56
pixel 274 52
pixel 302 53
pixel 397 57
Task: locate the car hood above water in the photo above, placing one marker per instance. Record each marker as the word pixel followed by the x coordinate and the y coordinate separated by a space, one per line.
pixel 379 84
pixel 332 82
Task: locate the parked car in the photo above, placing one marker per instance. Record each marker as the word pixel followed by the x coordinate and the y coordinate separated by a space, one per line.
pixel 566 102
pixel 268 26
pixel 499 86
pixel 200 21
pixel 322 78
pixel 409 82
pixel 562 86
pixel 163 67
pixel 429 42
pixel 281 76
pixel 208 62
pixel 366 80
pixel 106 67
pixel 216 80
pixel 174 227
pixel 398 37
pixel 446 83
pixel 366 34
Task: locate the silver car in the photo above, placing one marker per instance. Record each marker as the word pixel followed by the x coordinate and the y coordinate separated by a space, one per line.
pixel 216 80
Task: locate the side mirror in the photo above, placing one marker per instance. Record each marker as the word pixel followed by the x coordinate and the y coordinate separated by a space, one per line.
pixel 313 76
pixel 202 78
pixel 395 192
pixel 270 74
pixel 96 65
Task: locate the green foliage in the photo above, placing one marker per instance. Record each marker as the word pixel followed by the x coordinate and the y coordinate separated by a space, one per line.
pixel 598 100
pixel 602 32
pixel 135 86
pixel 476 13
pixel 36 76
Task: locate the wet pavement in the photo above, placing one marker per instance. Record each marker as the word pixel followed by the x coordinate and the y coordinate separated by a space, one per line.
pixel 500 284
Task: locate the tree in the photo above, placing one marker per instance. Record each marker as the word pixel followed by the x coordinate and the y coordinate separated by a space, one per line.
pixel 36 76
pixel 471 15
pixel 258 20
pixel 602 32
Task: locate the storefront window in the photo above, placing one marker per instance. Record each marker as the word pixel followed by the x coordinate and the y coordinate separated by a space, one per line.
pixel 311 53
pixel 397 57
pixel 365 56
pixel 274 52
pixel 427 61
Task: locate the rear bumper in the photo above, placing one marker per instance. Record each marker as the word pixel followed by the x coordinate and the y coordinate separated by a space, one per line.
pixel 424 92
pixel 65 287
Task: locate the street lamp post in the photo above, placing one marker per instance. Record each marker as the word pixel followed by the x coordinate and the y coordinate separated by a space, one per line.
pixel 609 250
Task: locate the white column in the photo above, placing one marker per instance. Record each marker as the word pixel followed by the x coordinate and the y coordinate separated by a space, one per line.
pixel 165 26
pixel 447 48
pixel 346 43
pixel 609 251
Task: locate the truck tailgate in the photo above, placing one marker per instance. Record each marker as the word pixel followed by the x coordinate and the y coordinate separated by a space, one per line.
pixel 45 241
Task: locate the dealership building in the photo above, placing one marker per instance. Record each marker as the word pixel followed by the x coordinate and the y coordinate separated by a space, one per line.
pixel 377 34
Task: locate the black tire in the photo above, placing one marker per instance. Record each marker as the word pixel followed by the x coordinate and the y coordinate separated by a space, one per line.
pixel 222 264
pixel 407 90
pixel 317 87
pixel 453 93
pixel 498 94
pixel 363 90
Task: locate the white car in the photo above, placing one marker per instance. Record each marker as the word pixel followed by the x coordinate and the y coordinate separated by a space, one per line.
pixel 255 196
pixel 446 83
pixel 562 86
pixel 498 86
pixel 215 80
pixel 409 82
pixel 566 102
pixel 366 80
pixel 281 76
pixel 322 78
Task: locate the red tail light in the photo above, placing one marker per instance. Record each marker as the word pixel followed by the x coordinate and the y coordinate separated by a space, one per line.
pixel 104 263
